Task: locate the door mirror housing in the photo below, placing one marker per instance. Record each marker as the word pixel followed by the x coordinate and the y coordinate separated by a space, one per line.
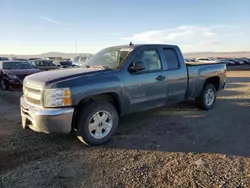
pixel 137 66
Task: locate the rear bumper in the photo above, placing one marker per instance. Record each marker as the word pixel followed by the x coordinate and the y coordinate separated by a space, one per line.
pixel 57 120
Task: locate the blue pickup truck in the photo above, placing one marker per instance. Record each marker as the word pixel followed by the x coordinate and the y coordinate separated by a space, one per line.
pixel 116 81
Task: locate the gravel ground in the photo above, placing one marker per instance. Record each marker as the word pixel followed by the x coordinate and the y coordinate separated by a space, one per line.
pixel 180 146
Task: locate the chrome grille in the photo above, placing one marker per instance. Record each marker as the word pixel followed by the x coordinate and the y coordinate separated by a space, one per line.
pixel 32 95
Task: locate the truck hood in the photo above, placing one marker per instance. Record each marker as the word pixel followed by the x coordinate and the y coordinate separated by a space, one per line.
pixel 39 80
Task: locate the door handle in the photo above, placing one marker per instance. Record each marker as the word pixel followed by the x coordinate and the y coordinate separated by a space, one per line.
pixel 160 78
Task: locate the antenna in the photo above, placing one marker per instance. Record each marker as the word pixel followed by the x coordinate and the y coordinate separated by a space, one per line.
pixel 131 44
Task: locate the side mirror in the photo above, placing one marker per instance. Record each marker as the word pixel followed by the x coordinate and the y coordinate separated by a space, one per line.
pixel 137 66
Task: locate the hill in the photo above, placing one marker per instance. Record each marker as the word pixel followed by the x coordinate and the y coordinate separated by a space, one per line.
pixel 188 54
pixel 218 54
pixel 48 54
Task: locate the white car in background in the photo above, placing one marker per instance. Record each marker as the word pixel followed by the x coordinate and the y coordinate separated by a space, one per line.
pixel 206 60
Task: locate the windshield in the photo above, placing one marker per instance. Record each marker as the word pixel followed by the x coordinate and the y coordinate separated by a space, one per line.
pixel 17 65
pixel 110 58
pixel 44 63
pixel 203 59
pixel 83 59
pixel 65 63
pixel 76 59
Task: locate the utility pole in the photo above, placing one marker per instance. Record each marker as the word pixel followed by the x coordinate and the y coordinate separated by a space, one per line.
pixel 75 46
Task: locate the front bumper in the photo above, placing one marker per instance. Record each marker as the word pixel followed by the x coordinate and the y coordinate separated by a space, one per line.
pixel 224 85
pixel 57 120
pixel 13 83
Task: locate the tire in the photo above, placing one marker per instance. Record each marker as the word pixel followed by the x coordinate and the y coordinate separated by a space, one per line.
pixel 3 85
pixel 202 101
pixel 100 135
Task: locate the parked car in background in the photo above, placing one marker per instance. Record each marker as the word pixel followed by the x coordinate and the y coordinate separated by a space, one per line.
pixel 19 59
pixel 118 80
pixel 54 58
pixel 190 59
pixel 12 73
pixel 43 64
pixel 34 58
pixel 4 58
pixel 80 60
pixel 64 64
pixel 227 61
pixel 232 61
pixel 238 61
pixel 66 59
pixel 246 60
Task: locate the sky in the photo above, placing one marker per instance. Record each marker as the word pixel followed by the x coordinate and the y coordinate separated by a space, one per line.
pixel 87 26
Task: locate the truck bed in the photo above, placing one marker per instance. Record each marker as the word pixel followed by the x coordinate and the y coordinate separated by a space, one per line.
pixel 199 72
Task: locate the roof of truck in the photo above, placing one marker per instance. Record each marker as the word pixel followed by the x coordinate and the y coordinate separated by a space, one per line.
pixel 140 45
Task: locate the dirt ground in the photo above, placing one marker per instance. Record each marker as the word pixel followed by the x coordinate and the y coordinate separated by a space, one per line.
pixel 181 146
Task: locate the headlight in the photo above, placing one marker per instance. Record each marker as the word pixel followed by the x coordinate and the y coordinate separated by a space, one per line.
pixel 57 97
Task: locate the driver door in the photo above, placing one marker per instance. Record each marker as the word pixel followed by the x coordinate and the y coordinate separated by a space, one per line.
pixel 145 88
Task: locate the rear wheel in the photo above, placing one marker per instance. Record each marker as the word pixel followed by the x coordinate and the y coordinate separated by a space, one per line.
pixel 97 122
pixel 3 85
pixel 207 99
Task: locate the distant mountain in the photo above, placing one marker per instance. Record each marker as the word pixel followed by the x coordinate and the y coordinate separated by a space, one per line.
pixel 218 54
pixel 188 54
pixel 48 54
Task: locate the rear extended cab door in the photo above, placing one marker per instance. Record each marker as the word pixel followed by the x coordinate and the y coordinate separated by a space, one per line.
pixel 174 69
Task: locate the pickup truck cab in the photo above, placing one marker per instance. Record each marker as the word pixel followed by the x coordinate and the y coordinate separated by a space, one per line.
pixel 116 81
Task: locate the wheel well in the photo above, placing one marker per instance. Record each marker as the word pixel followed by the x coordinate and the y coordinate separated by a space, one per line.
pixel 113 98
pixel 110 97
pixel 215 81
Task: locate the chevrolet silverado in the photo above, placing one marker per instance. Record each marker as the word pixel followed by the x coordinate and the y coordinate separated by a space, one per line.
pixel 116 81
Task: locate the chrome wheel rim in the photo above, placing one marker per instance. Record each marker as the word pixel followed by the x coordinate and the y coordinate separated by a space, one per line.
pixel 100 124
pixel 209 97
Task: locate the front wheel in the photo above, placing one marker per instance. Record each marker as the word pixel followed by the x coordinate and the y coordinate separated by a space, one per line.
pixel 97 122
pixel 207 99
